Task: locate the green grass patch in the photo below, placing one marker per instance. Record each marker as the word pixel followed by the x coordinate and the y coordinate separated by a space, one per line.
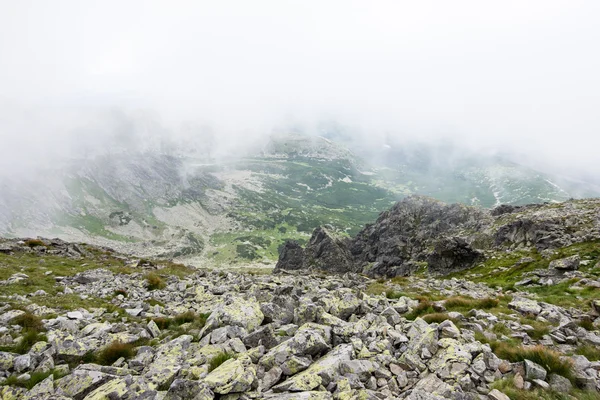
pixel 423 308
pixel 463 303
pixel 590 352
pixel 438 318
pixel 217 360
pixel 60 266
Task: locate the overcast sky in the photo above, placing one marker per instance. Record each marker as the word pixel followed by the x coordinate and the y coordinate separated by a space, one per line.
pixel 521 75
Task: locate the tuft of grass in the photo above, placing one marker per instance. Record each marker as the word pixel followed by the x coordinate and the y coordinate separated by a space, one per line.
pixel 153 302
pixel 197 321
pixel 34 243
pixel 376 288
pixel 391 294
pixel 466 303
pixel 184 318
pixel 539 328
pixel 506 386
pixel 24 345
pixel 501 329
pixel 590 352
pixel 587 324
pixel 552 361
pixel 217 360
pixel 423 308
pixel 30 322
pixel 436 317
pixel 113 352
pixel 176 269
pixel 154 281
pixel 162 322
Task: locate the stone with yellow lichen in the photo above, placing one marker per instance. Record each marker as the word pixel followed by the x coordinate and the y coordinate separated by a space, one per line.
pixel 233 376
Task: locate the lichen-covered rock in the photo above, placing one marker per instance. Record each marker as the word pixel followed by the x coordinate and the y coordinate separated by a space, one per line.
pixel 42 390
pixel 432 388
pixel 566 264
pixel 167 361
pixel 233 376
pixel 235 311
pixel 70 347
pixel 310 395
pixel 322 372
pixel 423 344
pixel 8 316
pixel 114 389
pixel 183 389
pixel 525 306
pixel 12 393
pixel 80 382
pixel 451 360
pixel 6 360
pixel 310 340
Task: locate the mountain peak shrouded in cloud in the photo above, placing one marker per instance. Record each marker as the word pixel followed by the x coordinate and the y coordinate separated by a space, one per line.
pixel 513 77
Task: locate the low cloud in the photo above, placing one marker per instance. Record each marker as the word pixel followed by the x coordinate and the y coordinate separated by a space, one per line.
pixel 514 77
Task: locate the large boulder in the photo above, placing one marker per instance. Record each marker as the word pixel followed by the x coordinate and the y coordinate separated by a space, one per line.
pixel 322 372
pixel 310 340
pixel 235 311
pixel 168 361
pixel 566 264
pixel 525 306
pixel 233 376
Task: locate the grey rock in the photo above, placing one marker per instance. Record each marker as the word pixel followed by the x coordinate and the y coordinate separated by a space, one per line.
pixel 534 371
pixel 183 389
pixel 566 264
pixel 495 394
pixel 559 383
pixel 22 363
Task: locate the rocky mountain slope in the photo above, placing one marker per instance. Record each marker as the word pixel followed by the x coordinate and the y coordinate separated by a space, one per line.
pixel 241 210
pixel 83 322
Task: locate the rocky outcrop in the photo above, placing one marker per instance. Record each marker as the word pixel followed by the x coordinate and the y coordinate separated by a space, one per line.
pixel 447 238
pixel 325 251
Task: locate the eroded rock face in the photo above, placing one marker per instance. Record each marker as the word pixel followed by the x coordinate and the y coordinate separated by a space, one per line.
pixel 452 255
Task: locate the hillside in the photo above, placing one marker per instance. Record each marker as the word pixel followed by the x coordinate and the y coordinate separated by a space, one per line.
pixel 241 210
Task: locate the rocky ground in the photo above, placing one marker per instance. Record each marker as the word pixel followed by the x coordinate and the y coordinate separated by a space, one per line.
pixel 82 322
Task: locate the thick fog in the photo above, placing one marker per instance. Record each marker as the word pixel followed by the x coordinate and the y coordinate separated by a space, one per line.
pixel 77 78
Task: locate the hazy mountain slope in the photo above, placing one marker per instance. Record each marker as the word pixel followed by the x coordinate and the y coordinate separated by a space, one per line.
pixel 241 210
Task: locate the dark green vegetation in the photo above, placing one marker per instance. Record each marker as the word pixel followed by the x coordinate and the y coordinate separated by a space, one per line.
pixel 114 351
pixel 591 352
pixel 217 360
pixel 298 195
